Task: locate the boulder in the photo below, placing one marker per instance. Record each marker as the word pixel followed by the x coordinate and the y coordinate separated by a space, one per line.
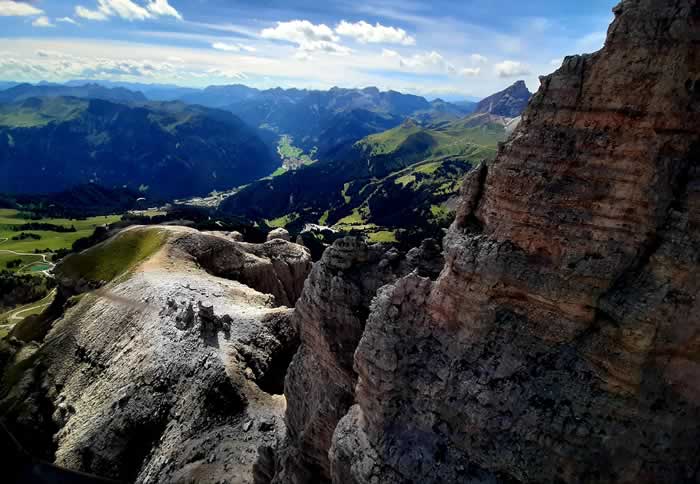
pixel 279 233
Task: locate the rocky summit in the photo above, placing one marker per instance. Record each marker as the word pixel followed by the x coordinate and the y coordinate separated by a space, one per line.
pixel 508 103
pixel 560 341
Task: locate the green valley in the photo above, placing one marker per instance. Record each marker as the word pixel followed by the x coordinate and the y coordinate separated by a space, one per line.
pixel 395 185
pixel 293 157
pixel 29 250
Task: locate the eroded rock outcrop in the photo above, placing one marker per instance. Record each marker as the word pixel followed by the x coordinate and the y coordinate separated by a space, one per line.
pixel 169 373
pixel 279 233
pixel 561 342
pixel 276 267
pixel 331 316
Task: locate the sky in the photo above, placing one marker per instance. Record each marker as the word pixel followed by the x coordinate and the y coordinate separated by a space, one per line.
pixel 455 49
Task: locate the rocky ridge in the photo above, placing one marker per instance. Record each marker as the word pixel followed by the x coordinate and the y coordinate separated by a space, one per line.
pixel 170 373
pixel 560 341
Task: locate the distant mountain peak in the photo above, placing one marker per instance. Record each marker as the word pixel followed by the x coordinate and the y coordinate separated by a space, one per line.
pixel 510 103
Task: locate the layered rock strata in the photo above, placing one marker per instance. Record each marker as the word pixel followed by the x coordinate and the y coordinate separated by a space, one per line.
pixel 561 342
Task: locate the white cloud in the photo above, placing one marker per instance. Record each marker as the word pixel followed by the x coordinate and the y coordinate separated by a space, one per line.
pixel 232 47
pixel 162 8
pixel 127 10
pixel 303 56
pixel 8 8
pixel 227 73
pixel 511 69
pixel 307 36
pixel 226 47
pixel 300 32
pixel 478 59
pixel 470 71
pixel 51 65
pixel 429 62
pixel 389 54
pixel 176 64
pixel 67 20
pixel 325 46
pixel 374 34
pixel 88 14
pixel 43 22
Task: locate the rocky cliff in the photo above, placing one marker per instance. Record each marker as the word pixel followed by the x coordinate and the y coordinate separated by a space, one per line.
pixel 173 371
pixel 561 341
pixel 331 316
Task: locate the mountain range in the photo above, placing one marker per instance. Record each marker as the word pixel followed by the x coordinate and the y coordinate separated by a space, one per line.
pixel 315 120
pixel 320 120
pixel 21 92
pixel 211 139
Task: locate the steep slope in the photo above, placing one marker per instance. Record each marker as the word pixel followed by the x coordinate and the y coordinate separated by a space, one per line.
pixel 163 149
pixel 172 371
pixel 345 128
pixel 560 342
pixel 508 103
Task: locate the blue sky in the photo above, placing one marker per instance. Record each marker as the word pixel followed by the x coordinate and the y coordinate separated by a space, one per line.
pixel 445 48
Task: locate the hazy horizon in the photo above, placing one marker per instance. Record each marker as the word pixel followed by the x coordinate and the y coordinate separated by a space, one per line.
pixel 453 50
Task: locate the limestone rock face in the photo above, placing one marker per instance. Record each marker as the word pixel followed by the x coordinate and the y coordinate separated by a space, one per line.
pixel 169 373
pixel 279 234
pixel 277 267
pixel 561 342
pixel 331 316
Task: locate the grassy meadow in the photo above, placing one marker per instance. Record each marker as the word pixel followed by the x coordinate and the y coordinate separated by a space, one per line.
pixel 49 241
pixel 106 261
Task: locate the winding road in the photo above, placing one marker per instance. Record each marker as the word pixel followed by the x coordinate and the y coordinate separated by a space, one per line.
pixel 15 316
pixel 22 254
